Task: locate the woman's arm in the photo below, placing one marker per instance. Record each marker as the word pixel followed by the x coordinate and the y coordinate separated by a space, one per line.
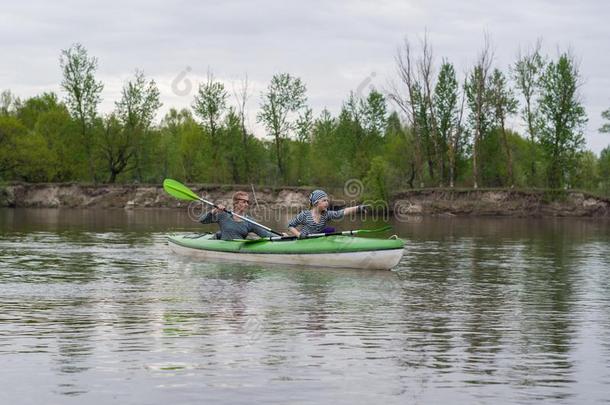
pixel 294 231
pixel 209 218
pixel 212 216
pixel 355 209
pixel 296 221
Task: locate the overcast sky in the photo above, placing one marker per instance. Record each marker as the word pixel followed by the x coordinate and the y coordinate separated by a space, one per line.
pixel 334 46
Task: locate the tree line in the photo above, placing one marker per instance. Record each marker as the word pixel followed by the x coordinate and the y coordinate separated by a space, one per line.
pixel 431 128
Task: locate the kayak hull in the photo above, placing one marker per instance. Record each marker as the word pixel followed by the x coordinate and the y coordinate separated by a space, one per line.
pixel 335 252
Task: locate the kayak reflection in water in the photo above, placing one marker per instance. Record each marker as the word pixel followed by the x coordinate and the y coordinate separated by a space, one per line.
pixel 232 227
pixel 315 220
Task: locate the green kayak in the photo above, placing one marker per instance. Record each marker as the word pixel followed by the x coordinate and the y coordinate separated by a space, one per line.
pixel 330 251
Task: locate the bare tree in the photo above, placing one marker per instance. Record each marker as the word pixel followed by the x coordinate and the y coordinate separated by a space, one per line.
pixel 241 97
pixel 426 71
pixel 406 99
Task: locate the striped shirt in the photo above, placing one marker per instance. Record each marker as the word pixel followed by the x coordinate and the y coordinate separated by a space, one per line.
pixel 309 226
pixel 231 229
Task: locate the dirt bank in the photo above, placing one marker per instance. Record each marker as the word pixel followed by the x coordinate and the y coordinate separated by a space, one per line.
pixel 437 202
pixel 51 195
pixel 482 202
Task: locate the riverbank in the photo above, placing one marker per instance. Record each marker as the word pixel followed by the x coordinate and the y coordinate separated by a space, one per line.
pixel 425 202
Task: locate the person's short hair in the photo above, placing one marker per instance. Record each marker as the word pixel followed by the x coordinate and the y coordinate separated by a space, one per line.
pixel 240 195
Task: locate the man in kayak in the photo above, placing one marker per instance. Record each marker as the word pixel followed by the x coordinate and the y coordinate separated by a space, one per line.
pixel 232 227
pixel 315 219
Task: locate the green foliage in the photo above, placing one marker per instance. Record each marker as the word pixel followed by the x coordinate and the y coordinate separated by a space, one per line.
pixel 32 108
pixel 285 97
pixel 584 174
pixel 11 131
pixel 399 153
pixel 193 153
pixel 35 162
pixel 83 95
pixel 562 118
pixel 494 172
pixel 604 171
pixel 124 142
pixel 62 137
pixel 43 139
pixel 451 136
pixel 332 163
pixel 376 182
pixel 210 106
pixel 480 117
pixel 8 103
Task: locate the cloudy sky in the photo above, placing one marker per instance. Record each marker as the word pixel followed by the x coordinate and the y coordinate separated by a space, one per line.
pixel 334 46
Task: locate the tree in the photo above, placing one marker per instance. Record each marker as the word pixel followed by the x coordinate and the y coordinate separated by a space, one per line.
pixel 353 138
pixel 376 182
pixel 285 97
pixel 170 138
pixel 210 105
pixel 83 94
pixel 504 104
pixel 413 104
pixel 428 114
pixel 399 153
pixel 374 113
pixel 241 97
pixel 134 111
pixel 562 117
pixel 526 73
pixel 62 136
pixel 303 128
pixel 192 151
pixel 604 170
pixel 233 152
pixel 606 127
pixel 8 103
pixel 30 110
pixel 585 171
pixel 448 114
pixel 11 130
pixel 477 99
pixel 328 149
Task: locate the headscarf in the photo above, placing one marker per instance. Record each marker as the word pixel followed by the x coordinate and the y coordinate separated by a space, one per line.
pixel 316 196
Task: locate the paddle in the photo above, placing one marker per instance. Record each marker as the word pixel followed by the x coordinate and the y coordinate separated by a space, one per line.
pixel 180 191
pixel 321 235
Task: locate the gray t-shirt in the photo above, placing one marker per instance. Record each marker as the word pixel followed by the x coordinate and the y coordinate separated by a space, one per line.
pixel 231 229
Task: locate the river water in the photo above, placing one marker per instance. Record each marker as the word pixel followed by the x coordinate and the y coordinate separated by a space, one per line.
pixel 95 309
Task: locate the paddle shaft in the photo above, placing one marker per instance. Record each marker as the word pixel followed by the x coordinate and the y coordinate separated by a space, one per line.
pixel 319 235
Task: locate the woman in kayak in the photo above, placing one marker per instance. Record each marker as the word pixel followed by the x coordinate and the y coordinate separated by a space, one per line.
pixel 315 219
pixel 232 227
